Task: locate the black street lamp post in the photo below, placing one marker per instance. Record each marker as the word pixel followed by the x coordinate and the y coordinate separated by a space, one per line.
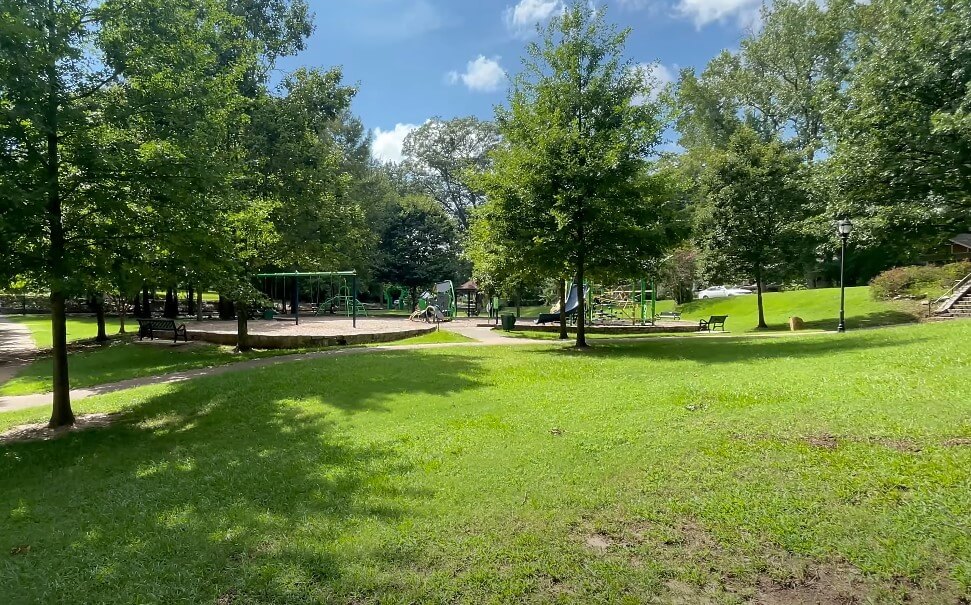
pixel 844 227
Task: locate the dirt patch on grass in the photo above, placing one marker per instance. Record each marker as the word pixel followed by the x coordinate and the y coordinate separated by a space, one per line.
pixel 812 584
pixel 958 442
pixel 598 542
pixel 701 568
pixel 828 441
pixel 42 432
pixel 823 440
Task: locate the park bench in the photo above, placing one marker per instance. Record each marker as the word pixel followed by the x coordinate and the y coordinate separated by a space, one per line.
pixel 148 327
pixel 675 315
pixel 715 321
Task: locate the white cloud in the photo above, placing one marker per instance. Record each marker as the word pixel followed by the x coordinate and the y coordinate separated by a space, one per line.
pixel 527 13
pixel 656 76
pixel 386 146
pixel 389 21
pixel 702 12
pixel 481 75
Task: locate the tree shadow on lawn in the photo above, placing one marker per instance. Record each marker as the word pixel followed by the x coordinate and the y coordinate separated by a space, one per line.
pixel 736 349
pixel 219 486
pixel 870 320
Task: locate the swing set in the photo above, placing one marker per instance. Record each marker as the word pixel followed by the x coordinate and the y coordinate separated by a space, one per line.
pixel 341 296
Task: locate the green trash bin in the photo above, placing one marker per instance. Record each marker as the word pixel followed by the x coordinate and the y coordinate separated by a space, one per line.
pixel 268 313
pixel 508 321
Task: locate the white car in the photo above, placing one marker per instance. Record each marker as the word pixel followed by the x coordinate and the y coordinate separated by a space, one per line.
pixel 721 292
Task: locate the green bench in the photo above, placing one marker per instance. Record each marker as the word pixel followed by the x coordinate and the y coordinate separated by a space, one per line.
pixel 713 322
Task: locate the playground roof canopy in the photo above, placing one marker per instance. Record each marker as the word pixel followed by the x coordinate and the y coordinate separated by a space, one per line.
pixel 310 274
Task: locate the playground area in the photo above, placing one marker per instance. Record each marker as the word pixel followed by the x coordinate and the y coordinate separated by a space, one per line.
pixel 312 331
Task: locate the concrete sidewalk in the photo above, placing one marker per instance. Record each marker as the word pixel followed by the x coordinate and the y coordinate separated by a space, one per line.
pixel 17 348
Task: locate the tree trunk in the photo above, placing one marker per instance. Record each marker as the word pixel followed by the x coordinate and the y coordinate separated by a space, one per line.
pixel 190 302
pixel 581 299
pixel 137 310
pixel 563 294
pixel 98 301
pixel 519 303
pixel 758 293
pixel 199 305
pixel 242 328
pixel 171 309
pixel 146 303
pixel 226 308
pixel 122 313
pixel 414 299
pixel 61 415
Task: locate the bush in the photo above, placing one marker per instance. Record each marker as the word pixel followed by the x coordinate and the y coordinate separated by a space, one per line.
pixel 923 280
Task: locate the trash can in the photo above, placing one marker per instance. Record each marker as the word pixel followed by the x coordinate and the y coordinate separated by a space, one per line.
pixel 508 321
pixel 268 313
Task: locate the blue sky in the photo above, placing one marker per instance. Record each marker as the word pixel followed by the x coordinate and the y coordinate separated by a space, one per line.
pixel 417 59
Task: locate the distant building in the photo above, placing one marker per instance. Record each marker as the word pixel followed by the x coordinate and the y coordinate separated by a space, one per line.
pixel 961 246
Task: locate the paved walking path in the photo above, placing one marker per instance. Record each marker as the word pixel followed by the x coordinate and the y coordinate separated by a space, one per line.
pixel 17 348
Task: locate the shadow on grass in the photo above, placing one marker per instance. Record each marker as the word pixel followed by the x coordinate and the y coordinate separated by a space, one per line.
pixel 870 320
pixel 742 348
pixel 242 484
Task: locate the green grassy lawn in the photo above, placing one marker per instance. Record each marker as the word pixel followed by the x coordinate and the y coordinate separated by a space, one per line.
pixel 819 308
pixel 436 337
pixel 819 469
pixel 123 360
pixel 78 328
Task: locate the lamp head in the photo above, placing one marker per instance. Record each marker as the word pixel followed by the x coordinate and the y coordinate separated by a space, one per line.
pixel 844 227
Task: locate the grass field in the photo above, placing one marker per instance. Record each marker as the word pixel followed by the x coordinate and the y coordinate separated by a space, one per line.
pixel 78 328
pixel 436 337
pixel 812 469
pixel 819 308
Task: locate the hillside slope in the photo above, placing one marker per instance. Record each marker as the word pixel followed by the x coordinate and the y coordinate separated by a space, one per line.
pixel 818 308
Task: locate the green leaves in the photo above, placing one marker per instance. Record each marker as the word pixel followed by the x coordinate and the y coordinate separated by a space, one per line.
pixel 570 186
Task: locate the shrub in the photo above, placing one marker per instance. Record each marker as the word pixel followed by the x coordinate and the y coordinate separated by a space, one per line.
pixel 917 280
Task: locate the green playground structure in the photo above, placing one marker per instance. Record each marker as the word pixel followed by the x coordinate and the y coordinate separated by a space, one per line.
pixel 401 302
pixel 634 302
pixel 344 302
pixel 627 303
pixel 343 297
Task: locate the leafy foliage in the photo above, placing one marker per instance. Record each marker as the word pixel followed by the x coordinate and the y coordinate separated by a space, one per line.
pixel 919 280
pixel 569 188
pixel 419 245
pixel 440 155
pixel 755 203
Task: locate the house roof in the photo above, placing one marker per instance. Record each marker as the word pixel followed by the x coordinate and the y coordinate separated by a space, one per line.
pixel 962 239
pixel 469 285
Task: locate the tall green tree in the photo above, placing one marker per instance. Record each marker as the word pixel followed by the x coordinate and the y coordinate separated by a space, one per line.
pixel 440 154
pixel 755 205
pixel 901 132
pixel 419 245
pixel 89 122
pixel 568 186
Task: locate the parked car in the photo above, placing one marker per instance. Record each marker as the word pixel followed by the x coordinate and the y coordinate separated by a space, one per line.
pixel 720 292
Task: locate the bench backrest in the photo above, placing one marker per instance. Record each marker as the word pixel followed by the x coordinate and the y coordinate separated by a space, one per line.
pixel 157 323
pixel 717 319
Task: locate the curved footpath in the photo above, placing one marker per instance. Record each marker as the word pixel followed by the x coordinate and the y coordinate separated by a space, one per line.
pixel 17 348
